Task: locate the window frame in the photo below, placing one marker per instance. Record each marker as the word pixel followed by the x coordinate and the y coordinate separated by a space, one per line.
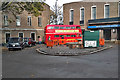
pixel 70 19
pixel 19 33
pixel 105 10
pixel 92 12
pixel 29 22
pixel 119 9
pixel 5 35
pixel 40 21
pixel 18 20
pixel 5 18
pixel 81 13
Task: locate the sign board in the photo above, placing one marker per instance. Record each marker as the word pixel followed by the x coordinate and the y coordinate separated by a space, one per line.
pixel 90 43
pixel 105 26
pixel 58 31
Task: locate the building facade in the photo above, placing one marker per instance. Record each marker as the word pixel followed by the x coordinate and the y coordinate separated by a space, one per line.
pixel 25 25
pixel 102 16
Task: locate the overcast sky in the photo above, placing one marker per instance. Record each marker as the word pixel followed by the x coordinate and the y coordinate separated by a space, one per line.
pixel 60 2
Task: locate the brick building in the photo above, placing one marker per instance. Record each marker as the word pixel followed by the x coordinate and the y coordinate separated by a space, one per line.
pixel 25 25
pixel 102 16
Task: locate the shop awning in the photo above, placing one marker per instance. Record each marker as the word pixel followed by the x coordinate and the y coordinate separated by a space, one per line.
pixel 105 26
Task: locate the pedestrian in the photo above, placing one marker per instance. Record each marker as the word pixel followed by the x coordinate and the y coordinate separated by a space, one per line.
pixel 40 40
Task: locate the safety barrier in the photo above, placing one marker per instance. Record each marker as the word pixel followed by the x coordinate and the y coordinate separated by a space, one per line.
pixel 49 43
pixel 101 42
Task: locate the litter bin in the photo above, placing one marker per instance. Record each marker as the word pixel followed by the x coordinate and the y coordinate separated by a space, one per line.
pixel 91 38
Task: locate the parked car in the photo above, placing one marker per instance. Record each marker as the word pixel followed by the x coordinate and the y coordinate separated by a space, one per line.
pixel 15 43
pixel 29 42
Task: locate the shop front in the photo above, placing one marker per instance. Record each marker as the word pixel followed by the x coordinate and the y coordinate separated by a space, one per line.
pixel 109 28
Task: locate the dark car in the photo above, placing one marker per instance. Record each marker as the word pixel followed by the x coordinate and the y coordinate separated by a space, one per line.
pixel 29 42
pixel 15 43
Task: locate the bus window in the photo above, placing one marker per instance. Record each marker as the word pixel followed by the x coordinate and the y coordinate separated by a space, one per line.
pixel 62 35
pixel 72 27
pixel 62 27
pixel 67 35
pixel 56 36
pixel 80 35
pixel 78 27
pixel 51 27
pixel 56 27
pixel 73 35
pixel 67 27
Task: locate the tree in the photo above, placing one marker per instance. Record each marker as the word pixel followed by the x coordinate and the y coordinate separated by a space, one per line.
pixel 56 16
pixel 16 8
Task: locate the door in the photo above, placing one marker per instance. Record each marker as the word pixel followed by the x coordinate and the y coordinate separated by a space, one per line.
pixel 118 34
pixel 107 34
pixel 33 36
pixel 21 35
pixel 7 37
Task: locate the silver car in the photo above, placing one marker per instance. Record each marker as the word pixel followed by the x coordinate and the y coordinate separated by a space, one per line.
pixel 15 43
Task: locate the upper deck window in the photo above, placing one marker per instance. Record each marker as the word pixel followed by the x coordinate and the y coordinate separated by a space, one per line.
pixel 72 27
pixel 62 27
pixel 56 27
pixel 67 27
pixel 50 27
pixel 78 27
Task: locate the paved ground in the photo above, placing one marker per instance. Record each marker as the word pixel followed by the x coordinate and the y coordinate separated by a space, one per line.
pixel 66 51
pixel 30 64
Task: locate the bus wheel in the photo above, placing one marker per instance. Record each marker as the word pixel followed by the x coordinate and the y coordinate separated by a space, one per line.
pixel 47 46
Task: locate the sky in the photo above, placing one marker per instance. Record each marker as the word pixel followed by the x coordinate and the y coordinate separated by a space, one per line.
pixel 60 2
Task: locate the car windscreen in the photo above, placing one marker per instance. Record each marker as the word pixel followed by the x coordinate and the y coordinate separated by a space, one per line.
pixel 13 40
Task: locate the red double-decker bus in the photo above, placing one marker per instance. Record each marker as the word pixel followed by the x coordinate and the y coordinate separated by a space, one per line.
pixel 67 32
